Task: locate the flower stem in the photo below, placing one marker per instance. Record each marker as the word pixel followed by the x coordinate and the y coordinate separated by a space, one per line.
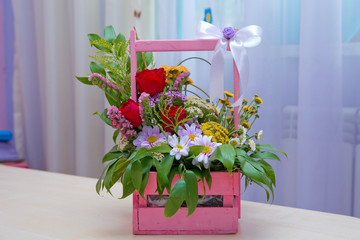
pixel 200 89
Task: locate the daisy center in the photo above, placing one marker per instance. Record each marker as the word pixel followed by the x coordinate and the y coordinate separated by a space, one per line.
pixel 207 149
pixel 192 137
pixel 179 147
pixel 233 143
pixel 152 139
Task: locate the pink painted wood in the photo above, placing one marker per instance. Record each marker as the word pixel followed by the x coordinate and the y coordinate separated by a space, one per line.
pixel 205 220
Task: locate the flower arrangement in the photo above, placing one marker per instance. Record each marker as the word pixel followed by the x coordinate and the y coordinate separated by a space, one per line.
pixel 171 130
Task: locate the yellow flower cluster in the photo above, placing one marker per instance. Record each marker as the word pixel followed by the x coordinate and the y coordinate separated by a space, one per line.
pixel 219 133
pixel 175 71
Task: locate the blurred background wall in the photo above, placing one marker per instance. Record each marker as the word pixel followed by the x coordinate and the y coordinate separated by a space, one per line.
pixel 306 70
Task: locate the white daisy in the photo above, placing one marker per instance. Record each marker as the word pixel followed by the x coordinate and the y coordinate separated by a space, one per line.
pixel 259 134
pixel 252 145
pixel 235 142
pixel 180 148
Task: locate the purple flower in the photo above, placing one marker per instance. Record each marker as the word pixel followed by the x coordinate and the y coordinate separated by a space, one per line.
pixel 190 131
pixel 228 32
pixel 209 148
pixel 149 137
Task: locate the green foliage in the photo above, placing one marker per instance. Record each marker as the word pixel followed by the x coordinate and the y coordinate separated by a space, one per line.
pixel 176 198
pixel 113 62
pixel 226 155
pixel 104 117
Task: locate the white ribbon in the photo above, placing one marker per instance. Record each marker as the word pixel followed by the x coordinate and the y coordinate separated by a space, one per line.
pixel 246 37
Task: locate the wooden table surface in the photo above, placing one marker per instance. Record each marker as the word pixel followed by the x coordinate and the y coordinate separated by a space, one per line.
pixel 43 205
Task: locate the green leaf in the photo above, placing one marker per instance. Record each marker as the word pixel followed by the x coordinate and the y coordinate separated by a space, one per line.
pixel 111 155
pixel 265 155
pixel 128 187
pixel 248 169
pixel 119 170
pixel 269 171
pixel 196 150
pixel 162 148
pixel 146 164
pixel 192 194
pixel 225 154
pixel 143 184
pixel 166 164
pixel 93 37
pixel 97 68
pixel 108 176
pixel 112 101
pixel 109 33
pixel 104 117
pixel 136 174
pixel 139 154
pixel 84 80
pixel 171 175
pixel 269 147
pixel 115 135
pixel 147 58
pixel 208 178
pixel 140 61
pixel 176 198
pixel 119 38
pixel 99 182
pixel 161 176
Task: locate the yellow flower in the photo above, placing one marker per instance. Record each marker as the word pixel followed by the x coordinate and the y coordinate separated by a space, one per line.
pixel 244 101
pixel 245 124
pixel 228 103
pixel 232 111
pixel 176 70
pixel 253 112
pixel 219 133
pixel 167 82
pixel 189 81
pixel 228 118
pixel 229 94
pixel 258 100
pixel 222 101
pixel 246 108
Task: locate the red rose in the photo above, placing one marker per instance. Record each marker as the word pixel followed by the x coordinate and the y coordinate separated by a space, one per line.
pixel 151 81
pixel 172 117
pixel 130 110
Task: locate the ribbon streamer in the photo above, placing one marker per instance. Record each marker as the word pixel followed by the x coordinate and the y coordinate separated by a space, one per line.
pixel 246 37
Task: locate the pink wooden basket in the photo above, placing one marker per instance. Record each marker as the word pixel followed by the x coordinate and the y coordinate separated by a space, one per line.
pixel 205 220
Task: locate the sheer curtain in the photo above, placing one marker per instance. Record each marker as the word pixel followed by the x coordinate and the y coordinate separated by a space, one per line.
pixel 60 133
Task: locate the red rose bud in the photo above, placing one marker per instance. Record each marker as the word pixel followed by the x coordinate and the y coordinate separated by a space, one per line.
pixel 130 110
pixel 174 116
pixel 151 81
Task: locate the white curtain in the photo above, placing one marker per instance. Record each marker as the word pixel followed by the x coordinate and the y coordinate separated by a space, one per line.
pixel 60 132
